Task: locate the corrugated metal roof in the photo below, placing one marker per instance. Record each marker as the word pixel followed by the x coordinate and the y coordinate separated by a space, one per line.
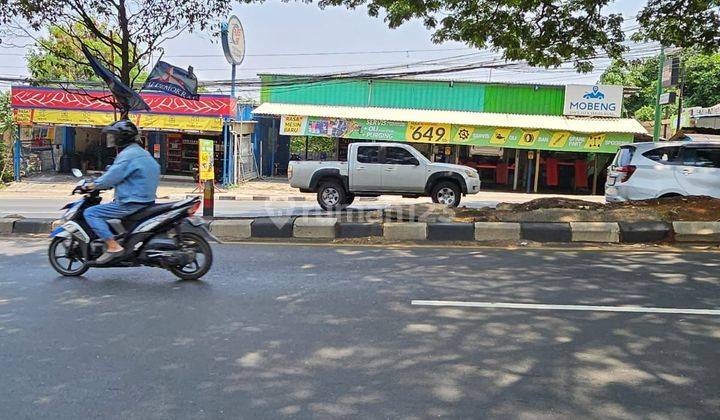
pixel 546 122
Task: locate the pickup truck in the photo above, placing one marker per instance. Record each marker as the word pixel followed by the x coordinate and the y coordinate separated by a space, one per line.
pixel 374 169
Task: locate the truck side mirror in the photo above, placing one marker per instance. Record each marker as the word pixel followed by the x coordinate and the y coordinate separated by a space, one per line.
pixel 415 162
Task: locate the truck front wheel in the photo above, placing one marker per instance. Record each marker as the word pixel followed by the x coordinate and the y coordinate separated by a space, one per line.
pixel 447 193
pixel 332 196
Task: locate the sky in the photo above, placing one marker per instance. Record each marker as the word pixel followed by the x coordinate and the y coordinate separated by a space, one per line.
pixel 316 35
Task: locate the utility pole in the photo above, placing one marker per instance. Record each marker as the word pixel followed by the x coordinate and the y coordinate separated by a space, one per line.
pixel 658 112
pixel 681 93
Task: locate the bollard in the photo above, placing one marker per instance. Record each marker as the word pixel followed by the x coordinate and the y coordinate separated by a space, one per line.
pixel 209 199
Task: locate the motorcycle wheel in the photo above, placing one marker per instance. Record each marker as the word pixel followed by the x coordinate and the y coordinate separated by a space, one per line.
pixel 64 253
pixel 203 257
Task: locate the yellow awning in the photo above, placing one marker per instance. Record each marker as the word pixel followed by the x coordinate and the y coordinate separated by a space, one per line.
pixel 542 122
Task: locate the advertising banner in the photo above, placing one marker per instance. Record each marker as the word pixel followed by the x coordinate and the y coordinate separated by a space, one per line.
pixel 101 119
pixel 593 100
pixel 206 159
pixel 515 138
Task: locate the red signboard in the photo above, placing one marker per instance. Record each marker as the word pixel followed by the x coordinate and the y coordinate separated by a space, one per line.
pixel 49 98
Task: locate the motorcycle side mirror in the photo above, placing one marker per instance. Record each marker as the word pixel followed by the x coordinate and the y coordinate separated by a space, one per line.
pixel 77 173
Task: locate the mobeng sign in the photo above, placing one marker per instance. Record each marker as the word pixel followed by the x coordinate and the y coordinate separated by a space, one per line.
pixel 593 100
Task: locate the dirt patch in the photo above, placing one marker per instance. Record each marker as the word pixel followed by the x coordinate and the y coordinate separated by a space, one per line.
pixel 570 210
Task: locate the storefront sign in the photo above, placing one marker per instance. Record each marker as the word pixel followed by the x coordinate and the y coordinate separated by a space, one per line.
pixel 206 159
pixel 593 100
pixel 515 138
pixel 207 105
pixel 101 119
pixel 233 40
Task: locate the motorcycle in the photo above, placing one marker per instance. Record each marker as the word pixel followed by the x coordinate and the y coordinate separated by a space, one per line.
pixel 166 235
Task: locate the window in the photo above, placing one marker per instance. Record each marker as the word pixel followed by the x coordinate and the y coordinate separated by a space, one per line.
pixel 399 156
pixel 368 154
pixel 665 155
pixel 624 156
pixel 706 157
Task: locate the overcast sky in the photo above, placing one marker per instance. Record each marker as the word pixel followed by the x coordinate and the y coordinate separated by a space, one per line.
pixel 275 27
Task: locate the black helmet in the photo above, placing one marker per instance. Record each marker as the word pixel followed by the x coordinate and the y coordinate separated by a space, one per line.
pixel 121 133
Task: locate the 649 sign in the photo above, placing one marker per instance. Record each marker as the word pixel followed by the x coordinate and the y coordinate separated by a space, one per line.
pixel 428 133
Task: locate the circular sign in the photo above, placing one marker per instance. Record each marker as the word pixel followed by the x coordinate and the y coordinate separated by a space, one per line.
pixel 233 41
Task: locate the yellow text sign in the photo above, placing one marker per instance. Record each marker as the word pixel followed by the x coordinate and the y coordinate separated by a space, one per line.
pixel 527 138
pixel 594 141
pixel 500 136
pixel 427 133
pixel 206 159
pixel 559 139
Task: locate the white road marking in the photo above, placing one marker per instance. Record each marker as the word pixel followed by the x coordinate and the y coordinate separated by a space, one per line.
pixel 541 306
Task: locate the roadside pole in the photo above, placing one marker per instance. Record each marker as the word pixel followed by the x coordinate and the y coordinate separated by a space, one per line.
pixel 658 112
pixel 680 95
pixel 517 169
pixel 209 198
pixel 537 170
pixel 16 155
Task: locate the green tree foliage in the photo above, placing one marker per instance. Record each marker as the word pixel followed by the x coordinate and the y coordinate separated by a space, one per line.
pixel 702 82
pixel 549 32
pixel 132 30
pixel 645 113
pixel 315 145
pixel 702 87
pixel 58 56
pixel 6 124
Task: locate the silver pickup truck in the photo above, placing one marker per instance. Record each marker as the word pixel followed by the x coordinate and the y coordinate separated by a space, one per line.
pixel 374 169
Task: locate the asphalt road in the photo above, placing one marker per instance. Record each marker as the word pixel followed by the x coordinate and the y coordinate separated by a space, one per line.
pixel 279 331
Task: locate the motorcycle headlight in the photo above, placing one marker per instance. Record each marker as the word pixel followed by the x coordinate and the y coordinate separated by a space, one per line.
pixel 471 173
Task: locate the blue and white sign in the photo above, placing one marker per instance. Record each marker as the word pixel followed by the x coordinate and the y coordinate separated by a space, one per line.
pixel 593 100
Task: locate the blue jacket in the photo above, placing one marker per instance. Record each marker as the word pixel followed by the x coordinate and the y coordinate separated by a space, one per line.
pixel 134 174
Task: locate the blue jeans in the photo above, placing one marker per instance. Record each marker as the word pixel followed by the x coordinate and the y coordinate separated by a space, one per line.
pixel 96 216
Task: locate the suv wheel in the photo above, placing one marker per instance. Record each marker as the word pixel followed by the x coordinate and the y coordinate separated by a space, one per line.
pixel 331 196
pixel 447 193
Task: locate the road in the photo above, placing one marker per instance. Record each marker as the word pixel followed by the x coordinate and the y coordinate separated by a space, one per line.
pixel 49 207
pixel 281 331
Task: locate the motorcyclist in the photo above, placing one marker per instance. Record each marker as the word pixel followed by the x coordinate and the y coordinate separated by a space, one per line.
pixel 135 176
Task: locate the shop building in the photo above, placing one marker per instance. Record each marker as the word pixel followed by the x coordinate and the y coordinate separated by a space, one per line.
pixel 530 137
pixel 67 126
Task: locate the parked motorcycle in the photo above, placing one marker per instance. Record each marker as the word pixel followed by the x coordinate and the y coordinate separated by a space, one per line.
pixel 166 235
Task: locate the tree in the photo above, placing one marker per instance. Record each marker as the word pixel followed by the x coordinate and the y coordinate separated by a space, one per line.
pixel 548 33
pixel 6 124
pixel 131 30
pixel 48 59
pixel 702 84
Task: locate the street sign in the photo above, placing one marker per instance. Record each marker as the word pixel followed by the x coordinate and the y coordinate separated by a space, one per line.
pixel 206 159
pixel 668 98
pixel 233 40
pixel 593 100
pixel 671 72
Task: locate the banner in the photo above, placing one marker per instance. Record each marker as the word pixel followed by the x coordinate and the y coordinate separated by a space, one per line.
pixel 40 97
pixel 173 80
pixel 101 119
pixel 126 98
pixel 206 159
pixel 514 138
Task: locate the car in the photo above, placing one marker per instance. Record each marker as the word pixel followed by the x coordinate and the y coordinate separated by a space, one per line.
pixel 374 169
pixel 664 169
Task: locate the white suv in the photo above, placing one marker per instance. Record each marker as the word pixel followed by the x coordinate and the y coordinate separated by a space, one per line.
pixel 651 170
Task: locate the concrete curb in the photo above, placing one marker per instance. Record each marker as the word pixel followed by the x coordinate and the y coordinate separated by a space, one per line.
pixel 497 231
pixel 546 232
pixel 451 232
pixel 607 232
pixel 642 232
pixel 696 231
pixel 315 227
pixel 329 228
pixel 405 231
